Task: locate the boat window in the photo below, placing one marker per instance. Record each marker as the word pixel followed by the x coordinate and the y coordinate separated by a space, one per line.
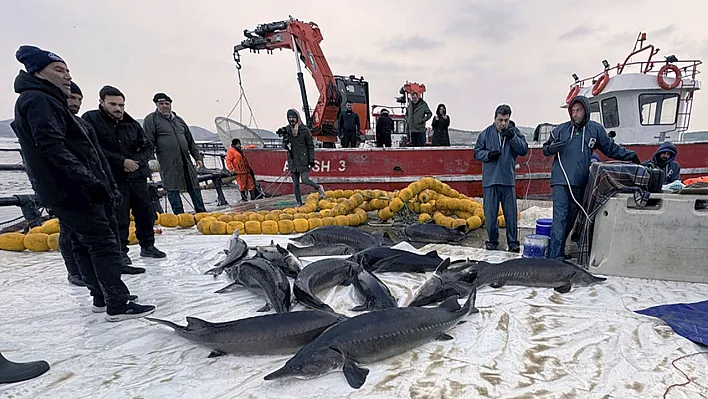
pixel 658 109
pixel 595 112
pixel 610 112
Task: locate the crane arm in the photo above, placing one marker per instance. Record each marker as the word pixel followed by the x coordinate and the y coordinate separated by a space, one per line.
pixel 304 39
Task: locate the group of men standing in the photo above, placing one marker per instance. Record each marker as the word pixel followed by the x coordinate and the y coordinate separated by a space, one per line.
pixel 572 145
pixel 91 172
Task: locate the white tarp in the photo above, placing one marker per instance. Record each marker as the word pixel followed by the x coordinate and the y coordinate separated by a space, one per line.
pixel 524 343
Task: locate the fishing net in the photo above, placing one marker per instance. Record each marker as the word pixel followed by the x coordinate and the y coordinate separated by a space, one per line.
pixel 229 129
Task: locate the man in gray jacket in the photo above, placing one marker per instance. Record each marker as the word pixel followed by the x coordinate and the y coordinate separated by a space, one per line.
pixel 417 114
pixel 497 148
pixel 173 145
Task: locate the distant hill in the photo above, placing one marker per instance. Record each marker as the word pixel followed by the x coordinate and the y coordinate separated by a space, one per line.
pixel 469 137
pixel 199 133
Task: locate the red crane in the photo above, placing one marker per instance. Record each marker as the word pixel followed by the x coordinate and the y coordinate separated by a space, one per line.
pixel 304 39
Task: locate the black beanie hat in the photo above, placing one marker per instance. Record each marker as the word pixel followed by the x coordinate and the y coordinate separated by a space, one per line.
pixel 293 113
pixel 35 59
pixel 161 97
pixel 75 89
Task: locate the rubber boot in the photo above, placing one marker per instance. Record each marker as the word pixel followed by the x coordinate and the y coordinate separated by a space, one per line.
pixel 15 372
pixel 254 194
pixel 244 198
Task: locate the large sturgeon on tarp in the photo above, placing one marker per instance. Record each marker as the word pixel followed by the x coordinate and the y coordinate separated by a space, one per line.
pixel 351 236
pixel 534 272
pixel 279 333
pixel 372 337
pixel 263 279
pixel 320 275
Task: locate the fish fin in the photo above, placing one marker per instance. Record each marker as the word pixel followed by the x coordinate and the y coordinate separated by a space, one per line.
pixel 216 353
pixel 228 288
pixel 451 304
pixel 497 284
pixel 195 323
pixel 461 322
pixel 443 337
pixel 471 299
pixel 167 323
pixel 272 243
pixel 432 254
pixel 265 308
pixel 359 308
pixel 563 288
pixel 355 375
pixel 280 249
pixel 226 252
pixel 417 245
pixel 443 265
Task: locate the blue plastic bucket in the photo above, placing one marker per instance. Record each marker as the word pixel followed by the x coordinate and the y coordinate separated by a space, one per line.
pixel 535 246
pixel 543 227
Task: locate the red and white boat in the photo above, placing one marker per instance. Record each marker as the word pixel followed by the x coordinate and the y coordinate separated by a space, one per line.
pixel 636 102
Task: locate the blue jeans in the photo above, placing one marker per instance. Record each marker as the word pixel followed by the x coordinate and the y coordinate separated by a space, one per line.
pixel 506 195
pixel 565 210
pixel 176 201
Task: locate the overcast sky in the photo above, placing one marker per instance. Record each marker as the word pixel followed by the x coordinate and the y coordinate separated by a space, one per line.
pixel 471 55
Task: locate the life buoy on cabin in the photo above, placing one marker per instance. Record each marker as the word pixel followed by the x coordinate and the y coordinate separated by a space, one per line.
pixel 601 84
pixel 571 94
pixel 662 75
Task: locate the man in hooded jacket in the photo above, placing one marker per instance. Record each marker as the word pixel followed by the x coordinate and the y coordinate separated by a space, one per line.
pixel 572 143
pixel 297 140
pixel 665 159
pixel 68 171
pixel 384 129
pixel 497 148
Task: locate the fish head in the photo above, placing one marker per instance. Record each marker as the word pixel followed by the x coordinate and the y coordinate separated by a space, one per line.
pixel 584 278
pixel 306 364
pixel 429 291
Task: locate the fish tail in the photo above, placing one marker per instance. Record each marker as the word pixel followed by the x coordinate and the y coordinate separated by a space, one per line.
pixel 471 299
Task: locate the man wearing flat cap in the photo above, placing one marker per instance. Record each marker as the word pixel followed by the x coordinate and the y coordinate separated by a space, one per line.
pixel 173 145
pixel 64 164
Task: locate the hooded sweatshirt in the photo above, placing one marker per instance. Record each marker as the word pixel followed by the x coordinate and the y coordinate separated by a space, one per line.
pixel 671 168
pixel 500 171
pixel 577 150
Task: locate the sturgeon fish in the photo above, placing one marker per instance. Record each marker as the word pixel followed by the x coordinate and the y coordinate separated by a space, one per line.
pixel 351 236
pixel 445 283
pixel 321 250
pixel 262 278
pixel 371 337
pixel 272 334
pixel 238 249
pixel 534 272
pixel 370 256
pixel 320 275
pixel 433 233
pixel 373 292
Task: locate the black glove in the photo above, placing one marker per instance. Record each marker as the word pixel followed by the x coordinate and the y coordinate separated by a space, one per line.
pixel 312 164
pixel 636 159
pixel 508 133
pixel 98 194
pixel 556 146
pixel 494 155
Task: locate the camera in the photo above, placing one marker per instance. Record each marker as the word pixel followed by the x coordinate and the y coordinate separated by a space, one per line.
pixel 283 132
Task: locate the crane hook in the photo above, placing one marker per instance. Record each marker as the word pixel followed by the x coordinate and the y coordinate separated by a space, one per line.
pixel 237 59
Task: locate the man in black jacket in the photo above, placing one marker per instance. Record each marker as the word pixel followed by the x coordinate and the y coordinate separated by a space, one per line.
pixel 349 127
pixel 384 128
pixel 66 169
pixel 128 151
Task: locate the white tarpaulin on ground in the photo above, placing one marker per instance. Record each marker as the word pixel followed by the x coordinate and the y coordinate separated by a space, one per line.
pixel 524 343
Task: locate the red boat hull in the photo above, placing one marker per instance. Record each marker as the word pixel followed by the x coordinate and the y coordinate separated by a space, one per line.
pixel 394 168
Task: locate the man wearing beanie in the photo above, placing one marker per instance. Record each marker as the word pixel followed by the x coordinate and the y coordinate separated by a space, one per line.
pixel 128 151
pixel 173 145
pixel 64 165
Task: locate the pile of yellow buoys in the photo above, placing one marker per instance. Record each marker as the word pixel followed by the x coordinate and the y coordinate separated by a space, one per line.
pixel 428 199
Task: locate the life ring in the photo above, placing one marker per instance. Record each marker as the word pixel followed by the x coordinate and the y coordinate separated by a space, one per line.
pixel 571 95
pixel 601 84
pixel 662 74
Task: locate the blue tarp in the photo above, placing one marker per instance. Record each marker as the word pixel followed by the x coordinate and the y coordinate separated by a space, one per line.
pixel 689 320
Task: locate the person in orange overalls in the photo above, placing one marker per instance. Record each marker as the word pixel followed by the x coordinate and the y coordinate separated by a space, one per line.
pixel 237 163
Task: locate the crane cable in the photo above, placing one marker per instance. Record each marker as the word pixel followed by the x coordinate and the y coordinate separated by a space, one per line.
pixel 242 97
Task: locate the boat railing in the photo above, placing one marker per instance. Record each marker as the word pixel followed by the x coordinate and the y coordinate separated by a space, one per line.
pixel 688 68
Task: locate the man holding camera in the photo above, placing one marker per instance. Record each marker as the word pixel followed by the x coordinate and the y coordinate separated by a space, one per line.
pixel 497 148
pixel 297 141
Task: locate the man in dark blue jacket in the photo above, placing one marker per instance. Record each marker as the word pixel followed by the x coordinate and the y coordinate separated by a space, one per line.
pixel 349 127
pixel 64 165
pixel 665 159
pixel 572 143
pixel 497 148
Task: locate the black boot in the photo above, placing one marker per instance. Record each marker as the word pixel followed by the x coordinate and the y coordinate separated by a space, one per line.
pixel 76 279
pixel 16 372
pixel 152 252
pixel 254 194
pixel 132 270
pixel 126 259
pixel 244 198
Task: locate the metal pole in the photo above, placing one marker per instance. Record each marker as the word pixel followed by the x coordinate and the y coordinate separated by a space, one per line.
pixel 301 82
